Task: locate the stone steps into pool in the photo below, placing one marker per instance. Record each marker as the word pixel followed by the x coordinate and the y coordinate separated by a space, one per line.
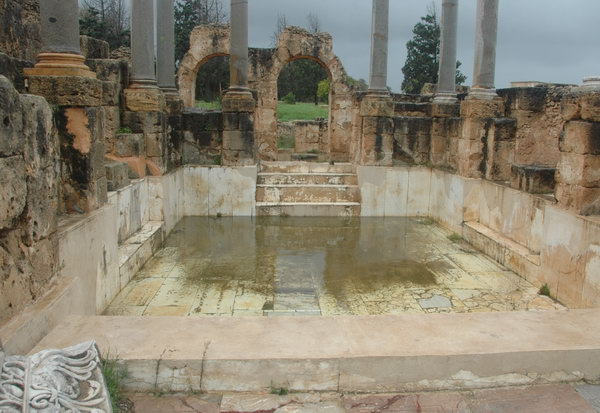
pixel 307 189
pixel 311 193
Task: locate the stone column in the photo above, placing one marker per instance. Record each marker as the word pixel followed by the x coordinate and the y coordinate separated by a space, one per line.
pixel 142 43
pixel 166 46
pixel 239 46
pixel 446 88
pixel 379 48
pixel 486 33
pixel 143 94
pixel 61 54
pixel 238 103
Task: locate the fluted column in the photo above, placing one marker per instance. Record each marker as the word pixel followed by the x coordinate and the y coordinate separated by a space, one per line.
pixel 239 46
pixel 61 54
pixel 446 88
pixel 486 33
pixel 165 61
pixel 379 47
pixel 142 44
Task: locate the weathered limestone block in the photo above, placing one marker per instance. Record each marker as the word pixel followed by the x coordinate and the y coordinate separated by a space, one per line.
pixel 145 122
pixel 571 107
pixel 14 190
pixel 531 99
pixel 581 200
pixel 234 102
pixel 581 138
pixel 155 144
pixel 54 380
pixel 67 90
pixel 576 169
pixel 93 48
pixel 377 141
pixel 533 179
pixel 11 121
pixel 112 122
pixel 82 152
pixel 590 107
pixel 129 144
pixel 500 145
pixel 42 160
pixel 377 106
pixel 482 108
pixel 110 70
pixel 475 128
pixel 209 121
pixel 144 100
pixel 412 137
pixel 13 68
pixel 117 175
pixel 111 94
pixel 445 110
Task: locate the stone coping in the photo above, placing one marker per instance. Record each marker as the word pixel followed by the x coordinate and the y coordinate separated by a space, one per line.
pixel 356 353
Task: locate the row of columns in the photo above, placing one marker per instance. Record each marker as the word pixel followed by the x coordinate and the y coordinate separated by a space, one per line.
pixel 60 26
pixel 485 50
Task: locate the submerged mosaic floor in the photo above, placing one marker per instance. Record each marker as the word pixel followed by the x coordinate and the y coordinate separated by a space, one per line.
pixel 320 266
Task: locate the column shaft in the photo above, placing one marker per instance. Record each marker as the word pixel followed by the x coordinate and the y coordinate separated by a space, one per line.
pixel 60 26
pixel 239 45
pixel 142 43
pixel 166 45
pixel 486 33
pixel 447 70
pixel 379 46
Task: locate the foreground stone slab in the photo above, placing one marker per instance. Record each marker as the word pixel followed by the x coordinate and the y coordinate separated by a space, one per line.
pixel 54 381
pixel 373 353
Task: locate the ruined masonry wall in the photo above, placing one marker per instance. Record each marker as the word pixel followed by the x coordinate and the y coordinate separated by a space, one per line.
pixel 29 163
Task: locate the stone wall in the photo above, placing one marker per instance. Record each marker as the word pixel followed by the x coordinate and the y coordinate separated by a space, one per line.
pixel 202 137
pixel 308 136
pixel 265 66
pixel 29 163
pixel 20 35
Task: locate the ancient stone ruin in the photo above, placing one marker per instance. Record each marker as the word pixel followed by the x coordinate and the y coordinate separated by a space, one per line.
pixel 104 162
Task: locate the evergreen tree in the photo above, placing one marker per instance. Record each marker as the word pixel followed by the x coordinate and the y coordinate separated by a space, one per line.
pixel 423 55
pixel 105 20
pixel 192 13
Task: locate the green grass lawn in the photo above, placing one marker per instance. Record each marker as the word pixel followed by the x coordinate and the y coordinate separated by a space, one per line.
pixel 301 111
pixel 216 105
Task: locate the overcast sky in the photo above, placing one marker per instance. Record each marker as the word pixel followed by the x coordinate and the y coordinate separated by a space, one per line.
pixel 547 40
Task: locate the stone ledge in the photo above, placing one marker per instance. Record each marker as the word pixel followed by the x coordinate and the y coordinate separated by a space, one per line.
pixel 135 251
pixel 360 353
pixel 503 250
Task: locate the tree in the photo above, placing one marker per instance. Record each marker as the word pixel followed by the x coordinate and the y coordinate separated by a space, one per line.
pixel 106 20
pixel 323 90
pixel 213 76
pixel 423 55
pixel 302 78
pixel 282 23
pixel 314 24
pixel 192 13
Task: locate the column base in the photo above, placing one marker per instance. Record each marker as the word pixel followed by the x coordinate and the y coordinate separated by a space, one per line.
pixel 377 105
pixel 142 97
pixel 590 84
pixel 445 98
pixel 60 64
pixel 238 100
pixel 482 93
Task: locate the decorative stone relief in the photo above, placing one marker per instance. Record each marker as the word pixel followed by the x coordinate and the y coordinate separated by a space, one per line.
pixel 68 380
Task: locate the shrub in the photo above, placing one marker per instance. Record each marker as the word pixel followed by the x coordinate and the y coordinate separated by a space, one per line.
pixel 290 98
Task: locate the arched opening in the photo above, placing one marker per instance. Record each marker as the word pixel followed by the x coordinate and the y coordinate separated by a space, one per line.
pixel 303 110
pixel 212 80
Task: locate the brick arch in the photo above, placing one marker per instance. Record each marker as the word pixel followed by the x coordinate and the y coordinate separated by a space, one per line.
pixel 209 41
pixel 206 43
pixel 294 44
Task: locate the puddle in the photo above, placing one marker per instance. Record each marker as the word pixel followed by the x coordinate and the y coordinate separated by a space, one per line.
pixel 324 266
